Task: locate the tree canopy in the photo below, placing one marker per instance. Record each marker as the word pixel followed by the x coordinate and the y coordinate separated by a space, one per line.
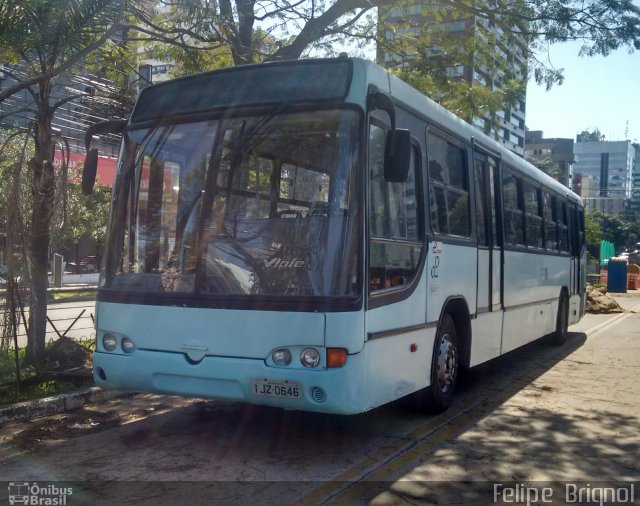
pixel 590 136
pixel 200 35
pixel 250 31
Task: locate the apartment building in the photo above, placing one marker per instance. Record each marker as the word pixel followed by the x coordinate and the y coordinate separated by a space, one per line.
pixel 404 25
pixel 557 150
pixel 611 165
pixel 85 98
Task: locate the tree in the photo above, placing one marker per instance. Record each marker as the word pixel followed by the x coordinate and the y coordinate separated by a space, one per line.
pixel 593 233
pixel 15 199
pixel 455 58
pixel 249 31
pixel 622 233
pixel 202 35
pixel 590 136
pixel 86 216
pixel 49 38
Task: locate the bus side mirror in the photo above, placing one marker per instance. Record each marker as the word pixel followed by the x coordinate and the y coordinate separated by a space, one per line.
pixel 116 126
pixel 397 156
pixel 89 172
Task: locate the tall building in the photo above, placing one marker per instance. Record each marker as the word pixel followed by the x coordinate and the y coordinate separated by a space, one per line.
pixel 633 205
pixel 635 189
pixel 506 127
pixel 73 117
pixel 611 165
pixel 555 150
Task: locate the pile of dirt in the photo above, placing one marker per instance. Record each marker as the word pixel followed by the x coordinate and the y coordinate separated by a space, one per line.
pixel 599 302
pixel 65 354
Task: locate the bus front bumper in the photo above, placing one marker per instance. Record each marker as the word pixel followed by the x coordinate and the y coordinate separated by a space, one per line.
pixel 330 390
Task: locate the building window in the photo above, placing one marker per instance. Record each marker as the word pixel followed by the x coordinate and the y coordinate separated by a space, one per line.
pixel 456 71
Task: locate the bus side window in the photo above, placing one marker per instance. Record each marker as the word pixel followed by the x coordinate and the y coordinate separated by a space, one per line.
pixel 563 227
pixel 550 221
pixel 513 215
pixel 533 216
pixel 577 233
pixel 448 188
pixel 581 230
pixel 394 220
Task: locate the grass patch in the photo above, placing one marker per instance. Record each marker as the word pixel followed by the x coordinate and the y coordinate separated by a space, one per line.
pixel 73 295
pixel 32 384
pixel 88 342
pixel 8 365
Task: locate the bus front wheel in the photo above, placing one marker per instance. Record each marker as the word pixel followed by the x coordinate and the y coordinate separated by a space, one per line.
pixel 445 367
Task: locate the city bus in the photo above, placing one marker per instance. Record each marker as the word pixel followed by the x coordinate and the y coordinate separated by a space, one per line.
pixel 318 235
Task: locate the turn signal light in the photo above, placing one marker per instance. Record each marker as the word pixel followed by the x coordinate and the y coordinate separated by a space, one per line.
pixel 336 357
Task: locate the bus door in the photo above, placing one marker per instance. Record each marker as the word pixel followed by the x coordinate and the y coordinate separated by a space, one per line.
pixel 489 295
pixel 574 247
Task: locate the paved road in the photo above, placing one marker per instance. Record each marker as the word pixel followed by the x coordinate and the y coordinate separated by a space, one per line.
pixel 540 413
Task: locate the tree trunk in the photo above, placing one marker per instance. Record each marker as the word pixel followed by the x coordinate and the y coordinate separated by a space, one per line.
pixel 316 28
pixel 245 51
pixel 41 167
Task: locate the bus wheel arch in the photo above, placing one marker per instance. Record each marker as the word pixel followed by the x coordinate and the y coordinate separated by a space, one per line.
pixel 458 309
pixel 449 358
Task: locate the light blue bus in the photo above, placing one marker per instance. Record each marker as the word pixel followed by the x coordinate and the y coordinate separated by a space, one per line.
pixel 318 235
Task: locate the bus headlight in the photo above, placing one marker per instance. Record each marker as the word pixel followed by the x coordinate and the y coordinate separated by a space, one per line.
pixel 127 345
pixel 310 357
pixel 281 357
pixel 109 341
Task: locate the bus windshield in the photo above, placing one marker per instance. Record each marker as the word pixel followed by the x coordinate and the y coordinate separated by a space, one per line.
pixel 253 205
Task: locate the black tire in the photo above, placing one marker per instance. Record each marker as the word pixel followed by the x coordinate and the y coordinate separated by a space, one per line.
pixel 559 337
pixel 445 369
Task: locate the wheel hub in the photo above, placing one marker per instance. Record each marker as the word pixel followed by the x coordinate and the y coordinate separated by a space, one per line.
pixel 447 363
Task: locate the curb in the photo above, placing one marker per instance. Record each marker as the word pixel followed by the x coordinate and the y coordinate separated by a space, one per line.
pixel 57 404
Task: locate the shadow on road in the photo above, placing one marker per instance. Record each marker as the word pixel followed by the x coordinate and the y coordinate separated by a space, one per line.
pixel 252 450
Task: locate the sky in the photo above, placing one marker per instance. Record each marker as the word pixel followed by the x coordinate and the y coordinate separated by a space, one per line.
pixel 598 92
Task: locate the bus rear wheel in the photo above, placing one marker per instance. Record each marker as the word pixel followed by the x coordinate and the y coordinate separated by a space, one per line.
pixel 559 337
pixel 445 368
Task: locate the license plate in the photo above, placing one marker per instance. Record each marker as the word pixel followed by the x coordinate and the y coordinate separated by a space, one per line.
pixel 276 388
